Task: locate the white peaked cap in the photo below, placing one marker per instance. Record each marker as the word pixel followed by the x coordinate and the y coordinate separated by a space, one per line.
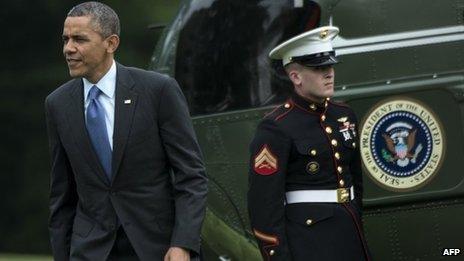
pixel 316 41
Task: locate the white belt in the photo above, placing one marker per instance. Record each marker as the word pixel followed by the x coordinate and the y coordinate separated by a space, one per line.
pixel 340 195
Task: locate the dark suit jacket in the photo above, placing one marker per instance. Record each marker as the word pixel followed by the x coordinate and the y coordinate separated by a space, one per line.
pixel 158 187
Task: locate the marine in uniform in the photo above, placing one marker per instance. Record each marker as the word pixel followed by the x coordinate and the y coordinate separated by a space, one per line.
pixel 305 193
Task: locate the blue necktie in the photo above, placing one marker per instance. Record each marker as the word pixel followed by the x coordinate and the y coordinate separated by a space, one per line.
pixel 96 127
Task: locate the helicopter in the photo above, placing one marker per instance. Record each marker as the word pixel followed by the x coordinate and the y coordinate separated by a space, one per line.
pixel 401 71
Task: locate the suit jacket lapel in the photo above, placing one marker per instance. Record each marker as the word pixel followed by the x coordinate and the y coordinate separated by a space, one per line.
pixel 75 112
pixel 125 102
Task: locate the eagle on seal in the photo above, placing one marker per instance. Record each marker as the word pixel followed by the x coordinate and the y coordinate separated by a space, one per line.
pixel 401 147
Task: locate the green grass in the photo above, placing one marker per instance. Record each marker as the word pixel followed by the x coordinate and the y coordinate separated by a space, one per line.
pixel 14 257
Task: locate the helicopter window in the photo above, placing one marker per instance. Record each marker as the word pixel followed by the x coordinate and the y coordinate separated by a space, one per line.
pixel 222 59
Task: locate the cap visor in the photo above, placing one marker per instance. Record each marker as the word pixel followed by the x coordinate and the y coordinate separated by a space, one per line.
pixel 330 60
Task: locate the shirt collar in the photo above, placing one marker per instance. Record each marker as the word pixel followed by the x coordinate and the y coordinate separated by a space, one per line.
pixel 107 84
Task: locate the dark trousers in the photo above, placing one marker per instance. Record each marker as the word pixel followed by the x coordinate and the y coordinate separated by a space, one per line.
pixel 122 249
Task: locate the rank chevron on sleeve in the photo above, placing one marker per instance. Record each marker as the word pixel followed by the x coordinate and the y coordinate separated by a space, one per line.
pixel 265 162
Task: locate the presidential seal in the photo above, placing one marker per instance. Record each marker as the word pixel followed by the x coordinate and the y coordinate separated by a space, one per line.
pixel 401 144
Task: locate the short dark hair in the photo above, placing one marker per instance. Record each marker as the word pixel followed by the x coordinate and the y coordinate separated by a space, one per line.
pixel 102 17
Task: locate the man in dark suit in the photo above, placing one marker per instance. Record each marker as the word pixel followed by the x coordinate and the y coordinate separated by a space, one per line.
pixel 127 177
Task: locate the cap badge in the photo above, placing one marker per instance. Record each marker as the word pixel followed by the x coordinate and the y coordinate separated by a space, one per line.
pixel 324 34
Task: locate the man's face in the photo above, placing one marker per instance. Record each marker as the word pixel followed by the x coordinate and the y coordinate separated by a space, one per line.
pixel 85 50
pixel 315 83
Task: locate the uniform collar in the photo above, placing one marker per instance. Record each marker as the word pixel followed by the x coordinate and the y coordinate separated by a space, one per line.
pixel 309 105
pixel 107 84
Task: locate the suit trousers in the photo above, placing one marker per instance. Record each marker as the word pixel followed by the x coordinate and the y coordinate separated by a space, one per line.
pixel 122 249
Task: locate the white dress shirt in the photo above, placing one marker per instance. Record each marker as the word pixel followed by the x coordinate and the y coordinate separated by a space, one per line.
pixel 107 85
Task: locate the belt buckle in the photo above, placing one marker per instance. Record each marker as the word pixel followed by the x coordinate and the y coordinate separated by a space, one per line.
pixel 343 195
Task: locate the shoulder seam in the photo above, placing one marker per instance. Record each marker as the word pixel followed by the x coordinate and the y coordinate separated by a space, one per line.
pixel 273 110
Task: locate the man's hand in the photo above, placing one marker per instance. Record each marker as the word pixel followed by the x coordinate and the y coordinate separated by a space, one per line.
pixel 177 254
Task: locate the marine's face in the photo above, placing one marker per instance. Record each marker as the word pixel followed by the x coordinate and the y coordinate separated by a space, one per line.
pixel 87 53
pixel 314 83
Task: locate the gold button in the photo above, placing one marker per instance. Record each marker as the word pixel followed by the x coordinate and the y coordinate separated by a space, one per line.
pixel 313 152
pixel 334 142
pixel 272 252
pixel 327 99
pixel 309 222
pixel 354 144
pixel 323 117
pixel 340 169
pixel 287 105
pixel 342 183
pixel 313 107
pixel 328 129
pixel 337 155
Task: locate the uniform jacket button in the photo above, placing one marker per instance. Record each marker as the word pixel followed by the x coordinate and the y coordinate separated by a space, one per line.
pixel 313 152
pixel 341 183
pixel 309 222
pixel 272 252
pixel 334 142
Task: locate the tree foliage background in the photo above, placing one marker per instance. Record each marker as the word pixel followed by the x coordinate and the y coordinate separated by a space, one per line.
pixel 32 66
